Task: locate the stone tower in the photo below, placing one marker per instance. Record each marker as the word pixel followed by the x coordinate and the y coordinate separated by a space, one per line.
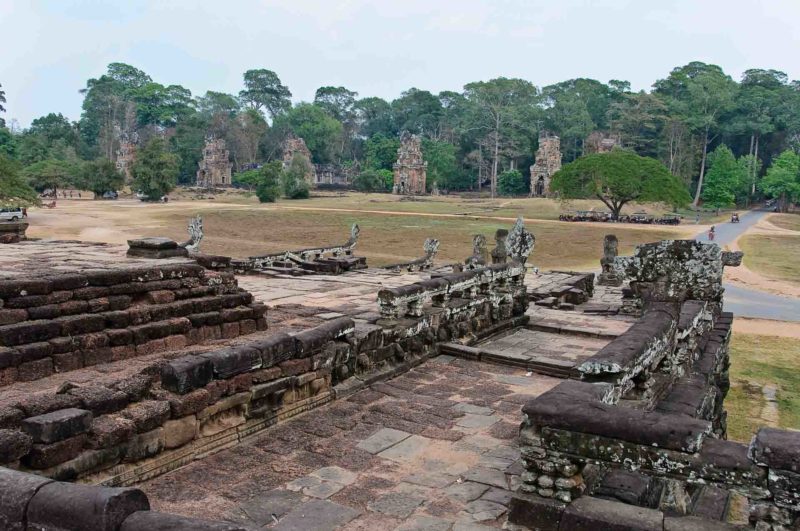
pixel 410 171
pixel 547 162
pixel 215 168
pixel 126 155
pixel 297 146
pixel 601 142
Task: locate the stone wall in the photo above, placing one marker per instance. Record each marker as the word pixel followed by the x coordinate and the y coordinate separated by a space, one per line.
pixel 62 322
pixel 178 409
pixel 639 442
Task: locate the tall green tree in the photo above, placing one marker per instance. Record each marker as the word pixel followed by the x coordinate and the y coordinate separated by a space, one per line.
pixel 213 103
pixel 638 118
pixel 511 182
pixel 417 111
pixel 782 180
pixel 725 177
pixel 374 116
pixel 321 132
pixel 500 107
pixel 441 159
pixel 293 178
pixel 381 152
pixel 268 187
pixel 617 178
pixel 52 174
pixel 703 93
pixel 155 170
pixel 263 90
pixel 101 176
pixel 14 191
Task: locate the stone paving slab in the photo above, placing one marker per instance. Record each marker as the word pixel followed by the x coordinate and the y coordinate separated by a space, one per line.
pixel 406 449
pixel 316 514
pixel 383 439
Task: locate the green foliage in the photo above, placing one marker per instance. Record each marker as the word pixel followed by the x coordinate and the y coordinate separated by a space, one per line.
pixel 375 117
pixel 337 101
pixel 268 188
pixel 511 182
pixel 321 132
pixel 155 170
pixel 52 174
pixel 263 90
pixel 441 159
pixel 187 143
pixel 218 103
pixel 249 178
pixel 782 180
pixel 160 105
pixel 14 191
pixel 725 177
pixel 7 143
pixel 417 111
pixel 381 152
pixel 294 178
pixel 372 181
pixel 617 178
pixel 101 176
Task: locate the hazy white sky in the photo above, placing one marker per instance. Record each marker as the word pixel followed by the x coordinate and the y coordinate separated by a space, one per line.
pixel 378 47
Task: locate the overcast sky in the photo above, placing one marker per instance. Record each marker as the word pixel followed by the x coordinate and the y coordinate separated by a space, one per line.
pixel 378 47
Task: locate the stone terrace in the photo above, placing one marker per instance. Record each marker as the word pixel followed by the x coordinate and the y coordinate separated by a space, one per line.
pixel 435 448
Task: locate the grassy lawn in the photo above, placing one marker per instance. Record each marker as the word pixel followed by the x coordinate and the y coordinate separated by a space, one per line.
pixel 786 221
pixel 387 238
pixel 757 361
pixel 774 256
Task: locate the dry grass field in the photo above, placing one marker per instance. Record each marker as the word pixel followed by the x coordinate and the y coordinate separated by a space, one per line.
pixel 775 256
pixel 391 230
pixel 765 388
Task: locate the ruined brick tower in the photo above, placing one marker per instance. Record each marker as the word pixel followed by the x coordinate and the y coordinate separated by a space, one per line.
pixel 547 162
pixel 410 171
pixel 126 154
pixel 297 146
pixel 215 168
pixel 601 142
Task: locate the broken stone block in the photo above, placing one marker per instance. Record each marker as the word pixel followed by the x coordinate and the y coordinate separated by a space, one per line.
pixel 47 455
pixel 229 362
pixel 58 425
pixel 13 445
pixel 16 491
pixel 83 506
pixel 148 414
pixel 186 374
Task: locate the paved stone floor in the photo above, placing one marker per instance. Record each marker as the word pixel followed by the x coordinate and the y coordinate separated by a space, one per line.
pixel 62 256
pixel 432 449
pixel 536 345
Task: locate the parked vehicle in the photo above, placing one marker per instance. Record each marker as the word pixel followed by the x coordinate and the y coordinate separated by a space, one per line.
pixel 110 195
pixel 11 214
pixel 669 219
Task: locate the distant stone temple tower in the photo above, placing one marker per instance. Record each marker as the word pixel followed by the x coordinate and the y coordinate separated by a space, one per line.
pixel 126 154
pixel 547 162
pixel 215 168
pixel 601 142
pixel 297 146
pixel 410 171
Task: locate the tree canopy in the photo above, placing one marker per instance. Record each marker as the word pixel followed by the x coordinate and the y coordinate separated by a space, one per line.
pixel 155 170
pixel 14 191
pixel 470 134
pixel 617 178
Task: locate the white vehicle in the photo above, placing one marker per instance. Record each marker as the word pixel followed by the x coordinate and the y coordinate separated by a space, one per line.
pixel 10 214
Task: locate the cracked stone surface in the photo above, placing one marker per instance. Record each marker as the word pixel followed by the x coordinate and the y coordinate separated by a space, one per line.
pixel 396 504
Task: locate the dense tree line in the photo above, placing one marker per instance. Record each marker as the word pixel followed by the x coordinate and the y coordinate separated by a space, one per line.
pixel 721 137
